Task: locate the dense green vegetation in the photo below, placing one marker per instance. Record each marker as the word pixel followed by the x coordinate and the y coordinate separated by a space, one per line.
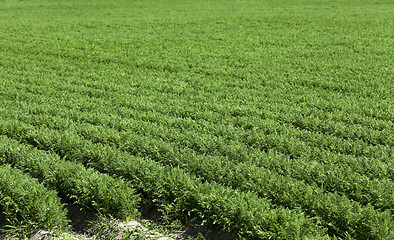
pixel 86 187
pixel 264 119
pixel 27 204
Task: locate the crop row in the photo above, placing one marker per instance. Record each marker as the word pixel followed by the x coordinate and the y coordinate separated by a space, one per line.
pixel 227 108
pixel 259 102
pixel 244 126
pixel 79 59
pixel 27 205
pixel 241 213
pixel 68 56
pixel 333 177
pixel 262 126
pixel 283 190
pixel 222 111
pixel 86 187
pixel 266 136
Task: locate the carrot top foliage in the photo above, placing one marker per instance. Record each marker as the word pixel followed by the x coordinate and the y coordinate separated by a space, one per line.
pixel 264 119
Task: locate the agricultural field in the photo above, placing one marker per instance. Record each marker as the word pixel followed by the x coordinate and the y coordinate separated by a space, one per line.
pixel 258 119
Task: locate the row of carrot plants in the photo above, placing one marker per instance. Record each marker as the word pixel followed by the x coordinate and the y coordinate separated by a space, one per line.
pixel 283 190
pixel 288 121
pixel 294 149
pixel 88 188
pixel 223 111
pixel 240 213
pixel 335 177
pixel 348 130
pixel 27 205
pixel 249 178
pixel 47 59
pixel 356 186
pixel 332 177
pixel 247 101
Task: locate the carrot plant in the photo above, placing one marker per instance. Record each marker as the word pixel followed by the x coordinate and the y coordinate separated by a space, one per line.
pixel 27 205
pixel 265 119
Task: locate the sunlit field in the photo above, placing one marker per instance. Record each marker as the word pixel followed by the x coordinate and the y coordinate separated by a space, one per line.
pixel 259 119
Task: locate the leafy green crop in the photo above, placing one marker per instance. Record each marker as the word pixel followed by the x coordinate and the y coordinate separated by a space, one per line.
pixel 265 119
pixel 28 205
pixel 85 187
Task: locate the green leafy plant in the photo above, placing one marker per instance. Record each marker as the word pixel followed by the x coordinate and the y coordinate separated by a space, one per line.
pixel 28 205
pixel 264 119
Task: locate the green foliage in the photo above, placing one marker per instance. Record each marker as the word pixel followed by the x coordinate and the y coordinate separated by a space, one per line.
pixel 28 205
pixel 171 186
pixel 86 187
pixel 267 119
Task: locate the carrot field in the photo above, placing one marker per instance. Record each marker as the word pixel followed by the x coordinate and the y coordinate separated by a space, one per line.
pixel 260 119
